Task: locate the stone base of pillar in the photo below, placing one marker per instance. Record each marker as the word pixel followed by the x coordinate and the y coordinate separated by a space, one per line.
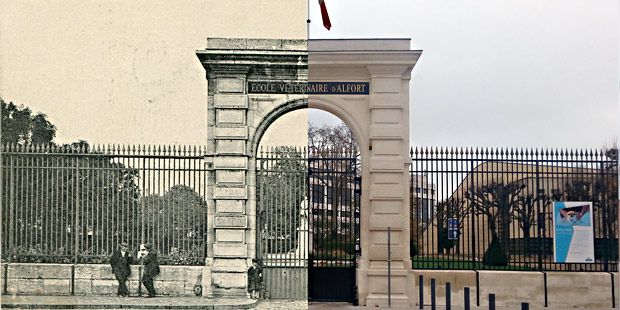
pixel 217 292
pixel 218 283
pixel 373 285
pixel 381 300
pixel 206 278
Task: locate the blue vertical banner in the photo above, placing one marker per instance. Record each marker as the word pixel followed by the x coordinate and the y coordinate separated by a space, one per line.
pixel 453 229
pixel 574 238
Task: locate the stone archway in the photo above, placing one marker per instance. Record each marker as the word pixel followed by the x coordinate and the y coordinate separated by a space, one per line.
pixel 242 102
pixel 366 84
pixel 380 121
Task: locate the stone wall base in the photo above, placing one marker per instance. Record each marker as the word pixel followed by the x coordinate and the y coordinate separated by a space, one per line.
pixel 93 279
pixel 511 288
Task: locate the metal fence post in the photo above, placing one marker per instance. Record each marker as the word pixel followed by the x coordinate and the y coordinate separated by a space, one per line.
pixel 540 238
pixel 448 298
pixel 433 297
pixel 421 286
pixel 389 261
pixel 77 211
pixel 12 214
pixel 466 298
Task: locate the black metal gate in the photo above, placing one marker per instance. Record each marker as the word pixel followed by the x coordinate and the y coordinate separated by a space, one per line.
pixel 282 221
pixel 334 192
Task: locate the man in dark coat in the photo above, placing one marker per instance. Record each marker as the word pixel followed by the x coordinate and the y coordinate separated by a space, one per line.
pixel 151 267
pixel 120 262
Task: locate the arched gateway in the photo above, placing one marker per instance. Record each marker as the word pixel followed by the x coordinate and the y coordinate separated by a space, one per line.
pixel 252 82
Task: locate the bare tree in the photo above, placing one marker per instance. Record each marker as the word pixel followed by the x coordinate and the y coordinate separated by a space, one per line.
pixel 526 213
pixel 333 164
pixel 453 208
pixel 496 201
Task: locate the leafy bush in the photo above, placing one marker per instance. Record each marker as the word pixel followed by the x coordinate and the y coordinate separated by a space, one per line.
pixel 495 254
pixel 331 255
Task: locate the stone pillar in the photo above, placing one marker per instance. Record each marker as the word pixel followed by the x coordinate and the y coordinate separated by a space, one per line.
pixel 236 120
pixel 380 122
pixel 228 192
pixel 389 188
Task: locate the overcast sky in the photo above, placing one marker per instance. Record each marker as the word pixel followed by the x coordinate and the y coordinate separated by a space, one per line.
pixel 120 71
pixel 493 73
pixel 499 73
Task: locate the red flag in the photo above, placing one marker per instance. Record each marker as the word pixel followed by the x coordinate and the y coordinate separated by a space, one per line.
pixel 326 21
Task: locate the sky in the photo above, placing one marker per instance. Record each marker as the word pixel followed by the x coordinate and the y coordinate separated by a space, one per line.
pixel 492 73
pixel 498 73
pixel 126 72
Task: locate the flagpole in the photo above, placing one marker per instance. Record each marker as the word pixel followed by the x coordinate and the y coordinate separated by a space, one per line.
pixel 308 21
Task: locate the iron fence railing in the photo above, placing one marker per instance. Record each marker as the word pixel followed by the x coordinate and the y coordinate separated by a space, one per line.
pixel 334 194
pixel 282 220
pixel 282 206
pixel 499 202
pixel 75 204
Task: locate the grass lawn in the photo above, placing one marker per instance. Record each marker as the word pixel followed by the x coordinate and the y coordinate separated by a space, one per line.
pixel 439 263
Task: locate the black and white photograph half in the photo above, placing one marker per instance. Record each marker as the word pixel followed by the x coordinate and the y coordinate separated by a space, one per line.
pixel 140 166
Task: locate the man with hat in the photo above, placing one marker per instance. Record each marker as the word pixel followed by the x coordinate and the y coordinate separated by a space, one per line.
pixel 151 267
pixel 121 261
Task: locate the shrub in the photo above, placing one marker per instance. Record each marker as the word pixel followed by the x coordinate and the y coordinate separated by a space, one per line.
pixel 495 254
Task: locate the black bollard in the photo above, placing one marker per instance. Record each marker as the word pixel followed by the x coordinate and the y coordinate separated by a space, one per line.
pixel 433 303
pixel 421 284
pixel 466 298
pixel 491 301
pixel 525 306
pixel 448 301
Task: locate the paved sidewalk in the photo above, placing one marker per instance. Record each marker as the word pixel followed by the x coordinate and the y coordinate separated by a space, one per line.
pixel 195 303
pixel 347 306
pixel 113 302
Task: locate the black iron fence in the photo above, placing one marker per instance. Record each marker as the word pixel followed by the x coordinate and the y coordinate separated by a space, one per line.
pixel 334 190
pixel 75 204
pixel 492 208
pixel 282 206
